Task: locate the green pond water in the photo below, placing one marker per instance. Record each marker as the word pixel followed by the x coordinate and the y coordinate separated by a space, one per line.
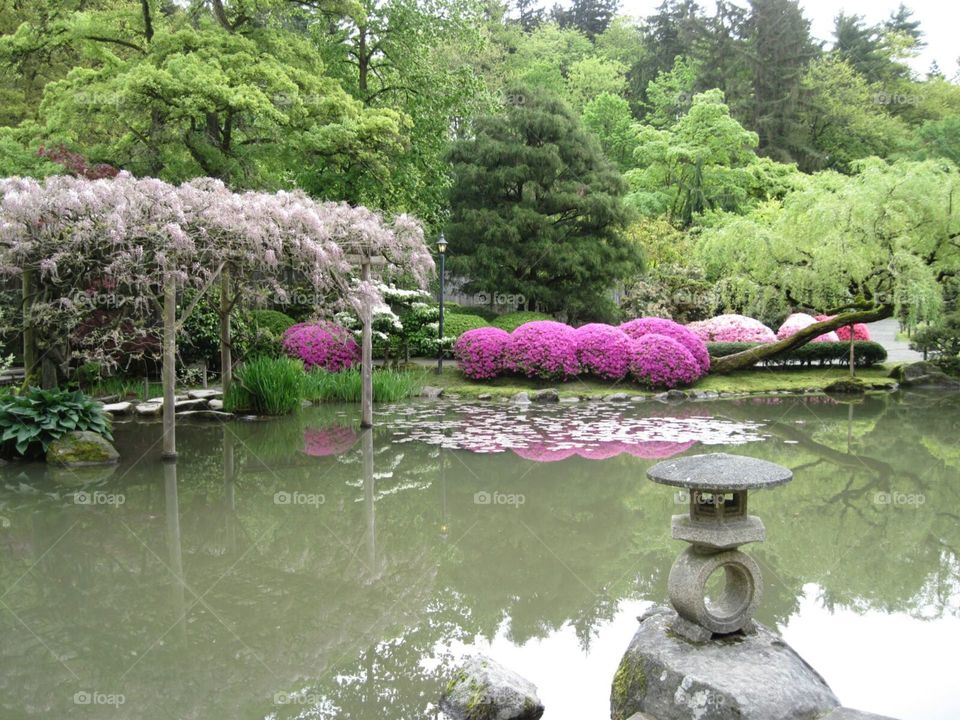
pixel 299 568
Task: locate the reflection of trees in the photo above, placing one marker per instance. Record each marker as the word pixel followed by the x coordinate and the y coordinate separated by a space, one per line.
pixel 399 559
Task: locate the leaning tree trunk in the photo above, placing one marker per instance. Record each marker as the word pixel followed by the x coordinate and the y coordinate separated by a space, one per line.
pixel 745 359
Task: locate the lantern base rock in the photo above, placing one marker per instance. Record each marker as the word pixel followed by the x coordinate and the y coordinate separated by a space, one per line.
pixel 753 676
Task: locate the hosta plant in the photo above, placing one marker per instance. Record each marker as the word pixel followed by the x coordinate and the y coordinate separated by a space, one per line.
pixel 31 421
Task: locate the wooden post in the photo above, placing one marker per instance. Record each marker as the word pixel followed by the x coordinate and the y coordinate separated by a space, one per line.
pixel 226 355
pixel 169 370
pixel 366 356
pixel 852 358
pixel 370 498
pixel 29 332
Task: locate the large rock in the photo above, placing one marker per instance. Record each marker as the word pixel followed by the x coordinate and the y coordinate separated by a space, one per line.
pixel 547 395
pixel 119 408
pixel 81 448
pixel 741 677
pixel 204 394
pixel 923 374
pixel 482 689
pixel 149 409
pixel 431 392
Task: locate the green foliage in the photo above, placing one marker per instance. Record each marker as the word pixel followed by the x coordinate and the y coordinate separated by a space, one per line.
pixel 940 340
pixel 273 320
pixel 706 161
pixel 345 386
pixel 879 238
pixel 480 311
pixel 266 386
pixel 199 338
pixel 609 118
pixel 31 421
pixel 454 325
pixel 865 353
pixel 536 210
pixel 511 321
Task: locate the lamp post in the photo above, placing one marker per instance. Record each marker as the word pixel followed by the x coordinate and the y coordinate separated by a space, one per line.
pixel 442 251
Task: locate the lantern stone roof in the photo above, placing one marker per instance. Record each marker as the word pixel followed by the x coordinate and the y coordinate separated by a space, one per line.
pixel 719 471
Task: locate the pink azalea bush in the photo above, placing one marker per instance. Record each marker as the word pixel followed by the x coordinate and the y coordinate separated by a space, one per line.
pixel 480 352
pixel 321 344
pixel 663 362
pixel 603 351
pixel 797 322
pixel 860 331
pixel 732 328
pixel 543 348
pixel 322 442
pixel 641 327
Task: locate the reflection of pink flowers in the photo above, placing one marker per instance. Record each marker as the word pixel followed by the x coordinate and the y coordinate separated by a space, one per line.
pixel 662 362
pixel 640 327
pixel 602 450
pixel 480 352
pixel 545 349
pixel 860 331
pixel 732 328
pixel 321 344
pixel 603 351
pixel 322 442
pixel 797 322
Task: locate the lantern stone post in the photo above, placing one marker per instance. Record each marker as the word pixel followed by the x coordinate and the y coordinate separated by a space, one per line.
pixel 715 526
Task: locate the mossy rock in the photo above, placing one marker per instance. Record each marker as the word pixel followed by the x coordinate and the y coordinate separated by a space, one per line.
pixel 81 448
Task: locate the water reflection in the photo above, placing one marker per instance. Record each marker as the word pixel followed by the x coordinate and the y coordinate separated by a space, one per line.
pixel 203 595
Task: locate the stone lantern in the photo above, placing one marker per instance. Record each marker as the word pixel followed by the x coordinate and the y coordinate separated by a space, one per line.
pixel 715 526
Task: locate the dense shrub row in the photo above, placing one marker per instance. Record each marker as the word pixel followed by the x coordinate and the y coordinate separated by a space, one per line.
pixel 655 352
pixel 865 353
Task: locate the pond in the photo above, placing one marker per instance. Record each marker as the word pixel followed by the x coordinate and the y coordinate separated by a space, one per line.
pixel 298 568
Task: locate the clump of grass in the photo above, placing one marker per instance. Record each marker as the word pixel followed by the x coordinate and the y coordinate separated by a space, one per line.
pixel 267 386
pixel 344 386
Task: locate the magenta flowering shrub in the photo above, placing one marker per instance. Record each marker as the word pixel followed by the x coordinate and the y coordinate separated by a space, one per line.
pixel 321 344
pixel 860 331
pixel 732 328
pixel 322 442
pixel 543 348
pixel 797 322
pixel 603 351
pixel 660 361
pixel 480 352
pixel 640 327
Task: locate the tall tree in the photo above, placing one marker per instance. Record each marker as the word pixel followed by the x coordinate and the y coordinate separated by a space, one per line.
pixel 780 47
pixel 537 210
pixel 591 17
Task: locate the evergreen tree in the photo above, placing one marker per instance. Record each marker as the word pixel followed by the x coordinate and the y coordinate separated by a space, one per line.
pixel 780 48
pixel 529 14
pixel 536 209
pixel 591 17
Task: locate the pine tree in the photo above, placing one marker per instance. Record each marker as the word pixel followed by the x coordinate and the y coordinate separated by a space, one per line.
pixel 780 48
pixel 591 17
pixel 536 210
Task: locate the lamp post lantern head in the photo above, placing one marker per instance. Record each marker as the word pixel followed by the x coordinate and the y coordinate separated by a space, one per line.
pixel 442 245
pixel 715 526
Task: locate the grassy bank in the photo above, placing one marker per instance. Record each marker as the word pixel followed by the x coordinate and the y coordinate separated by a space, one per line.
pixel 746 381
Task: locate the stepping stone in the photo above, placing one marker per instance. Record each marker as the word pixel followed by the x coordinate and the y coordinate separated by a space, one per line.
pixel 149 409
pixel 205 394
pixel 120 408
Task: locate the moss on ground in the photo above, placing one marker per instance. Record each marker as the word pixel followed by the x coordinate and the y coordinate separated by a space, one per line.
pixel 758 380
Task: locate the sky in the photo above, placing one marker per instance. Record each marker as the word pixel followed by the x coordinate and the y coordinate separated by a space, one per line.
pixel 939 20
